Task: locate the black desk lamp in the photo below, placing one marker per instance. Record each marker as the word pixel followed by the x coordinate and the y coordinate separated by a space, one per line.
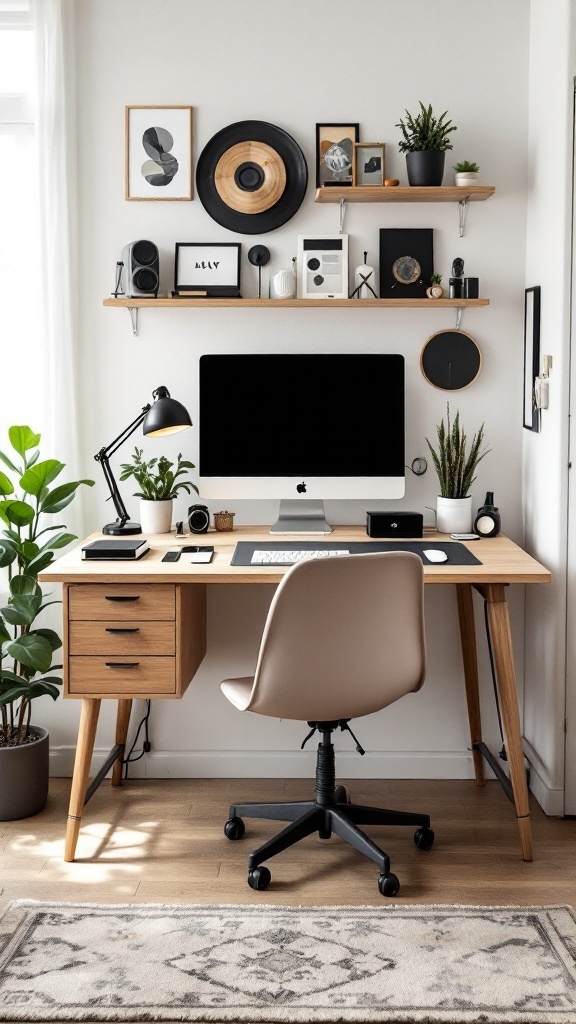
pixel 166 416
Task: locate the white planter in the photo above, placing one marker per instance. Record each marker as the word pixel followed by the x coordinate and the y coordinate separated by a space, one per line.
pixel 454 515
pixel 156 516
pixel 465 179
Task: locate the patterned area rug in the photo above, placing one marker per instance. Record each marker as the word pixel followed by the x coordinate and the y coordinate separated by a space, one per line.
pixel 407 964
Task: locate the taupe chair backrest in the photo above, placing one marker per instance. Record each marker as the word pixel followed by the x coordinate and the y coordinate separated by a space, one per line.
pixel 344 637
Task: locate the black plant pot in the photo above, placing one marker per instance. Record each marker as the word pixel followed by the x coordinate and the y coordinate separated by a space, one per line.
pixel 24 778
pixel 425 167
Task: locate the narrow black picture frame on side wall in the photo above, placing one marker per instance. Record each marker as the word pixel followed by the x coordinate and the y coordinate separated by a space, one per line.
pixel 532 301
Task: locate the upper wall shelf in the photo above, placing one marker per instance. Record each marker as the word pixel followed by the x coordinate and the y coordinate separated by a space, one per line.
pixel 293 303
pixel 404 194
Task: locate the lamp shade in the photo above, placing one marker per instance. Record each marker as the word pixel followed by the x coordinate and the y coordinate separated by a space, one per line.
pixel 166 416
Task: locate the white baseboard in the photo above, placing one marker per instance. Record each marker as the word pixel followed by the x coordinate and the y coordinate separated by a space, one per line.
pixel 549 796
pixel 267 764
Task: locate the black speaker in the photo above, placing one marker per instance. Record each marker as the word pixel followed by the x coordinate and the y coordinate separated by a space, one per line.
pixel 198 519
pixel 141 274
pixel 394 524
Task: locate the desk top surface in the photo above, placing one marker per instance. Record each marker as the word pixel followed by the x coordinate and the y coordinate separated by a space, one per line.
pixel 503 561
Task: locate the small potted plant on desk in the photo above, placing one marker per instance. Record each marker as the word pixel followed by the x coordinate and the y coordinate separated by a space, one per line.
pixel 466 173
pixel 159 485
pixel 26 669
pixel 455 466
pixel 425 141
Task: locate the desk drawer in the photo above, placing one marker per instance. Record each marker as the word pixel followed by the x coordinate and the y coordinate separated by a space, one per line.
pixel 108 675
pixel 105 601
pixel 135 636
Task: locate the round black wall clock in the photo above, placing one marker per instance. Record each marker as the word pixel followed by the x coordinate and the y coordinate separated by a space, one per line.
pixel 450 360
pixel 251 177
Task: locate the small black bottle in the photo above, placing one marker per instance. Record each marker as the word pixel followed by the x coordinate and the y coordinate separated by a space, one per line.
pixel 487 521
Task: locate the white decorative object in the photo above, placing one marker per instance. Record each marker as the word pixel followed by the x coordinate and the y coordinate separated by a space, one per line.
pixel 155 516
pixel 435 291
pixel 364 282
pixel 283 284
pixel 453 515
pixel 466 178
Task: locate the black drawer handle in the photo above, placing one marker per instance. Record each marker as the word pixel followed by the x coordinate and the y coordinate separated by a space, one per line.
pixel 109 629
pixel 122 664
pixel 121 597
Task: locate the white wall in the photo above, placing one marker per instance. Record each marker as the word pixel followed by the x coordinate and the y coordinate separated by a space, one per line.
pixel 295 64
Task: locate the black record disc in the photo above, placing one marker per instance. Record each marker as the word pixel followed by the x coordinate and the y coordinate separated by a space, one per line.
pixel 288 176
pixel 450 360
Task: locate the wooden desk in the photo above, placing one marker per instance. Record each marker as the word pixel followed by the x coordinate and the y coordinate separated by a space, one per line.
pixel 138 630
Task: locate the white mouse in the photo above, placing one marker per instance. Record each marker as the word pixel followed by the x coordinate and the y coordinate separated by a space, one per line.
pixel 434 555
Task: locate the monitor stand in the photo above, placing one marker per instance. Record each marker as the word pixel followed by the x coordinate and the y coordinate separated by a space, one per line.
pixel 305 516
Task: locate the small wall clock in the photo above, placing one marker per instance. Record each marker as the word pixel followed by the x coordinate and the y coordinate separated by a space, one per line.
pixel 450 360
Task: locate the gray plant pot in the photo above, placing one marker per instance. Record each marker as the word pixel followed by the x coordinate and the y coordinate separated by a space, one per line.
pixel 425 167
pixel 24 778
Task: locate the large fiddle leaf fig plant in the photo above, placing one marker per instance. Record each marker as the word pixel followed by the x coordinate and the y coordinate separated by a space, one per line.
pixel 28 544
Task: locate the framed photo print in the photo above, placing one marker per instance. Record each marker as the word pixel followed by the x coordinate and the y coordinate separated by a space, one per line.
pixel 335 153
pixel 207 269
pixel 531 356
pixel 406 262
pixel 368 166
pixel 323 266
pixel 158 153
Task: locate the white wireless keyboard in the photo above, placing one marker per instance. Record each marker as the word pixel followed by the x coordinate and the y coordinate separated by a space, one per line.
pixel 290 557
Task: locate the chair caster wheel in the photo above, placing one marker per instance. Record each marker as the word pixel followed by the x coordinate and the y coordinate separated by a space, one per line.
pixel 259 878
pixel 234 828
pixel 424 838
pixel 388 885
pixel 341 795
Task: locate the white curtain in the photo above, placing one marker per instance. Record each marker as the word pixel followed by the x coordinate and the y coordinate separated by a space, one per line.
pixel 53 27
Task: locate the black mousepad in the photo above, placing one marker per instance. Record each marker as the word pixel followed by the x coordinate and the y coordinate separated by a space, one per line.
pixel 457 553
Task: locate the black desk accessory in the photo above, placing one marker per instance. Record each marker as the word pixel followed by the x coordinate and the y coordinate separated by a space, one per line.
pixel 457 279
pixel 198 519
pixel 487 521
pixel 201 553
pixel 259 256
pixel 115 549
pixel 165 416
pixel 394 524
pixel 457 553
pixel 171 556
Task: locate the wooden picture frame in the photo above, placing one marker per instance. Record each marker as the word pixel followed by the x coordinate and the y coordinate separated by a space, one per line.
pixel 158 143
pixel 207 269
pixel 335 153
pixel 369 164
pixel 531 415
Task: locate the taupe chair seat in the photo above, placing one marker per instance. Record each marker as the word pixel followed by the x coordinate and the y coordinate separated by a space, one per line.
pixel 344 637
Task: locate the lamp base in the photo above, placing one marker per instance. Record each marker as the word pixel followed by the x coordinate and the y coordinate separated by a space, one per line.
pixel 119 529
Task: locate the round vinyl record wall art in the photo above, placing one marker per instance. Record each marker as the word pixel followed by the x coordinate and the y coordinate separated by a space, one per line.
pixel 251 177
pixel 451 360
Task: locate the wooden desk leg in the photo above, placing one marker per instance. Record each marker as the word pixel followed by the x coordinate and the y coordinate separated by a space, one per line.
pixel 495 594
pixel 84 750
pixel 122 723
pixel 470 661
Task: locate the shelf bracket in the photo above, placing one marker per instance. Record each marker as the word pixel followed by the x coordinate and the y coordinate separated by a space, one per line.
pixel 133 311
pixel 462 211
pixel 342 214
pixel 459 312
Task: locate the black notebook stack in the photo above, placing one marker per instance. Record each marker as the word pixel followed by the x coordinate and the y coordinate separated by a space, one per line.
pixel 121 548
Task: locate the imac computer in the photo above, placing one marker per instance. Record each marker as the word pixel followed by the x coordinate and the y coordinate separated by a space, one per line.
pixel 301 428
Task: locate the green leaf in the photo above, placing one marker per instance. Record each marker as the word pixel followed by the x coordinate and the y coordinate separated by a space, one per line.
pixel 11 695
pixel 22 439
pixel 37 477
pixel 21 611
pixel 7 462
pixel 7 553
pixel 52 637
pixel 6 485
pixel 60 541
pixel 40 688
pixel 24 585
pixel 32 651
pixel 40 562
pixel 9 677
pixel 19 513
pixel 62 496
pixel 4 634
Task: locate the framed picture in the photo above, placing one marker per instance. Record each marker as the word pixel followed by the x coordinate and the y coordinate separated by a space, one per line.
pixel 368 167
pixel 406 262
pixel 335 153
pixel 531 356
pixel 207 269
pixel 158 153
pixel 323 266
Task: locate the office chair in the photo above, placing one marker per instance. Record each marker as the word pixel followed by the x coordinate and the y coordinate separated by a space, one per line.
pixel 344 637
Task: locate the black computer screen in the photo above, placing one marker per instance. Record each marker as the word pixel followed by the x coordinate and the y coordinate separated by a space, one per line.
pixel 301 415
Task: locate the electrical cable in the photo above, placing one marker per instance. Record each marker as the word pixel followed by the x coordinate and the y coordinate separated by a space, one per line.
pixel 146 746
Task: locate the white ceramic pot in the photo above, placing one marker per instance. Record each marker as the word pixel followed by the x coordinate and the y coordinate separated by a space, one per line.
pixel 454 515
pixel 283 285
pixel 155 516
pixel 466 178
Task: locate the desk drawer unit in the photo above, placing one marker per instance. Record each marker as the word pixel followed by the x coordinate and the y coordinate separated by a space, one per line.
pixel 127 641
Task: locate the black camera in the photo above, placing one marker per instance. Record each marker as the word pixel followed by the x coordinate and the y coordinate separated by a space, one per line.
pixel 198 518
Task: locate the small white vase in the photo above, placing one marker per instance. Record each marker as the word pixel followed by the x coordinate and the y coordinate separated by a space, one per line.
pixel 453 515
pixel 465 179
pixel 155 516
pixel 283 285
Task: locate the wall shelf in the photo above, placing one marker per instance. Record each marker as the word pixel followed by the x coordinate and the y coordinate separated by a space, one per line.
pixel 297 303
pixel 404 194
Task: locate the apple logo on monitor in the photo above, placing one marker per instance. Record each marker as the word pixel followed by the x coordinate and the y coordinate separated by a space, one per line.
pixel 301 488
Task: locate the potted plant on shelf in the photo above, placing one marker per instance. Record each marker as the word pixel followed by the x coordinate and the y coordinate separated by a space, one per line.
pixel 455 466
pixel 159 484
pixel 435 291
pixel 26 669
pixel 466 173
pixel 425 141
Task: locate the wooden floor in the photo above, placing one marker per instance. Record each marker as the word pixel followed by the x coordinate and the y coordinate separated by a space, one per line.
pixel 162 842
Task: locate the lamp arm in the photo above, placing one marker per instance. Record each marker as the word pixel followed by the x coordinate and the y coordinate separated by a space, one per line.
pixel 103 457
